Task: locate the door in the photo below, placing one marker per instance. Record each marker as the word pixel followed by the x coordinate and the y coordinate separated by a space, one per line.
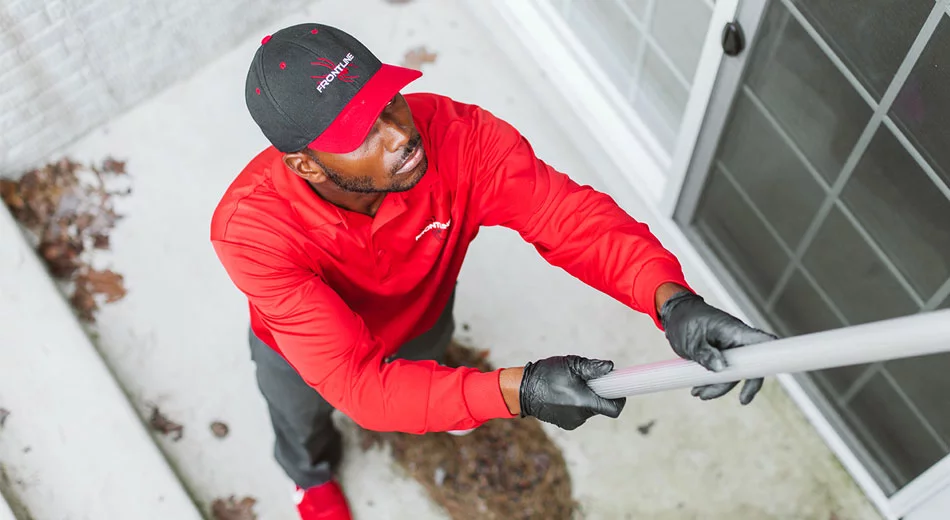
pixel 820 190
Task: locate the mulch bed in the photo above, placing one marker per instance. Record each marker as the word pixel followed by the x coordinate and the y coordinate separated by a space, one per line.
pixel 505 469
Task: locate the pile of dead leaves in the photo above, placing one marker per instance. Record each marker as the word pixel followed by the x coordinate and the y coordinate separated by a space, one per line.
pixel 233 509
pixel 506 469
pixel 68 209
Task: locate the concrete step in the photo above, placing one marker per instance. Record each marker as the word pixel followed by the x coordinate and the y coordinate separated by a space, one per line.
pixel 5 512
pixel 72 446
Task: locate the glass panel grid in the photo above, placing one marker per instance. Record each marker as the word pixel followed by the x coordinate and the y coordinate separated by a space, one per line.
pixel 921 107
pixel 660 99
pixel 741 240
pixel 664 58
pixel 785 192
pixel 941 296
pixel 842 420
pixel 610 37
pixel 938 181
pixel 903 454
pixel 809 99
pixel 805 309
pixel 879 252
pixel 883 464
pixel 635 80
pixel 909 403
pixel 869 372
pixel 934 443
pixel 679 27
pixel 902 214
pixel 820 180
pixel 876 120
pixel 795 262
pixel 709 234
pixel 857 279
pixel 792 145
pixel 872 36
pixel 891 431
pixel 637 10
pixel 646 73
pixel 832 55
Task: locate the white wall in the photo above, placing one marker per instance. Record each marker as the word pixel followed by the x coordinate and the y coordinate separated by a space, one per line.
pixel 67 66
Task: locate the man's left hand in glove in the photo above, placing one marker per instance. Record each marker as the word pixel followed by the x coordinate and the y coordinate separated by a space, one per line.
pixel 700 332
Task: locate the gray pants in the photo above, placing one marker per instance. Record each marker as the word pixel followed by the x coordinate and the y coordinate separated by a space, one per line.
pixel 307 445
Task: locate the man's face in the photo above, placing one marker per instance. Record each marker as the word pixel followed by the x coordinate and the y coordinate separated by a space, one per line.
pixel 390 159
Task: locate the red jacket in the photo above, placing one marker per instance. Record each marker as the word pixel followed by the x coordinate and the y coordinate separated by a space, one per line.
pixel 336 292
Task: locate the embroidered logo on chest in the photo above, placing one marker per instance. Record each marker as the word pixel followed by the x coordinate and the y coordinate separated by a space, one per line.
pixel 436 228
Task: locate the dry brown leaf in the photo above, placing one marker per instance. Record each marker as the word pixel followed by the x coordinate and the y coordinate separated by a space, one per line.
pixel 416 58
pixel 108 283
pixel 84 303
pixel 231 509
pixel 219 429
pixel 82 222
pixel 158 422
pixel 111 165
pixel 10 193
pixel 62 258
pixel 100 241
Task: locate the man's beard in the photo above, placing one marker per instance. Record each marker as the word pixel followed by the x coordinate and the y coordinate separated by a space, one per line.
pixel 364 184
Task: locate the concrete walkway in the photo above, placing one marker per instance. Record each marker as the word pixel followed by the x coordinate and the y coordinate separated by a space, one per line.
pixel 178 339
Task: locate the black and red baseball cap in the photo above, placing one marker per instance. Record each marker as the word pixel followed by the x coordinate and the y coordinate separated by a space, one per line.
pixel 315 86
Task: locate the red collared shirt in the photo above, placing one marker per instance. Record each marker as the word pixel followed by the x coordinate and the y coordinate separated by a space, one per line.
pixel 336 292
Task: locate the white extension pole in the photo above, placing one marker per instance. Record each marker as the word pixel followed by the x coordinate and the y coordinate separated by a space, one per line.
pixel 915 335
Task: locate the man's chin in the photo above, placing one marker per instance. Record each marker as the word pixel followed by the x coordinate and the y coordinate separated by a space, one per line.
pixel 413 178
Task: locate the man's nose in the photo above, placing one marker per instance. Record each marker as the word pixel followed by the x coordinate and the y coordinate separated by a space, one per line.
pixel 395 136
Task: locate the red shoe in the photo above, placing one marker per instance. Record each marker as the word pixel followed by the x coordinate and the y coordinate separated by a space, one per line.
pixel 323 502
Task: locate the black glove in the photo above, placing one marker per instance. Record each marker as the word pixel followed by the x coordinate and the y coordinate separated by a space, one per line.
pixel 555 390
pixel 700 332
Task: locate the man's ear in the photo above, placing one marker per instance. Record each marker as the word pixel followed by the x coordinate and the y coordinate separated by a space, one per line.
pixel 303 165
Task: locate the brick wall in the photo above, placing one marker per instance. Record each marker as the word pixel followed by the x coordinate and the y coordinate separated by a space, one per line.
pixel 67 66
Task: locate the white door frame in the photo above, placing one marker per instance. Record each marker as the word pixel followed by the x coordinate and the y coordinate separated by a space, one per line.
pixel 660 178
pixel 571 68
pixel 708 73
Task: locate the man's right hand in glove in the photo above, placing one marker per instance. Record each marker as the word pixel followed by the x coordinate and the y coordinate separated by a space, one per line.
pixel 555 390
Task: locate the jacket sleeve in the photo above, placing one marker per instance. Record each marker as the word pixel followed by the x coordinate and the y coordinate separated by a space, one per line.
pixel 573 227
pixel 334 352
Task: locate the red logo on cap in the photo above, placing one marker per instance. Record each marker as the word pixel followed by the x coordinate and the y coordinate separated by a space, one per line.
pixel 344 75
pixel 265 39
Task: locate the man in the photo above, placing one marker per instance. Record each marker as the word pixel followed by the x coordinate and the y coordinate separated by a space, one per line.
pixel 348 234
